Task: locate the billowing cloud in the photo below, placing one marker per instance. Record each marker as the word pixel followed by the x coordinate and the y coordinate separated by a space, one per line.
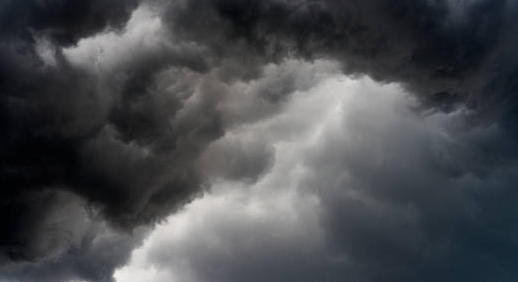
pixel 115 139
pixel 117 114
pixel 364 189
pixel 114 127
pixel 62 21
pixel 445 51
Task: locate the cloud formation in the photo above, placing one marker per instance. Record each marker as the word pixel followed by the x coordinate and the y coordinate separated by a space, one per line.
pixel 63 21
pixel 116 114
pixel 443 54
pixel 113 126
pixel 364 190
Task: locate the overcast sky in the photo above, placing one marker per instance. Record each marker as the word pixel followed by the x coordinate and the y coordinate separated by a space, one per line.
pixel 258 141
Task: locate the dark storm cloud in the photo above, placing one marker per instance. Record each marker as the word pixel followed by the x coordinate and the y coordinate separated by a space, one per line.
pixel 402 200
pixel 447 53
pixel 118 140
pixel 63 21
pixel 384 195
pixel 122 136
pixel 412 201
pixel 122 133
pixel 75 244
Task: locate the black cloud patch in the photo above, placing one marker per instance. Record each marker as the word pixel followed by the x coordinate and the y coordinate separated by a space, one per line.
pixel 63 21
pixel 445 55
pixel 117 140
pixel 134 156
pixel 70 242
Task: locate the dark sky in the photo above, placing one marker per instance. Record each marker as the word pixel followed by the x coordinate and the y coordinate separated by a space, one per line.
pixel 272 140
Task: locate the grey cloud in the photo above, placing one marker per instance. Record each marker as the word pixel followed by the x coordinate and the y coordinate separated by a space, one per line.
pixel 444 57
pixel 237 159
pixel 93 258
pixel 118 113
pixel 377 193
pixel 62 21
pixel 125 143
pixel 409 199
pixel 239 155
pixel 118 120
pixel 59 238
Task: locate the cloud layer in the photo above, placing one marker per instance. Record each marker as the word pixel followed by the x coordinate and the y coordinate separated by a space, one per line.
pixel 117 114
pixel 364 189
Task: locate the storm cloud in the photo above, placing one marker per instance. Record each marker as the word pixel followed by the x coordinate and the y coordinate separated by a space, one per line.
pixel 116 114
pixel 364 189
pixel 445 51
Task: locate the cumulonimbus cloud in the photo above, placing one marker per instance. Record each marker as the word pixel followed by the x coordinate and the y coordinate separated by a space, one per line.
pixel 117 116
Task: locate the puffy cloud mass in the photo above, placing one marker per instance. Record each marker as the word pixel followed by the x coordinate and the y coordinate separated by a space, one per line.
pixel 363 189
pixel 284 140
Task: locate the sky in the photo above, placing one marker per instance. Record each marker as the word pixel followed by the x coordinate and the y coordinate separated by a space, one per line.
pixel 272 140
